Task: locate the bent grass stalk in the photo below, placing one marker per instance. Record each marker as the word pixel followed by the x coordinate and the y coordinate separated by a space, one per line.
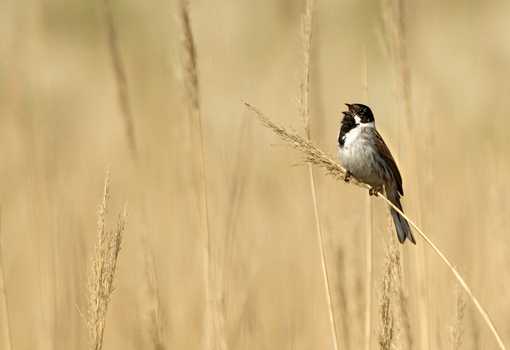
pixel 306 27
pixel 316 156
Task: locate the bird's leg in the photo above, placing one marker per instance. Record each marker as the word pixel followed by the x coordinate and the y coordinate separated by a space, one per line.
pixel 374 191
pixel 347 176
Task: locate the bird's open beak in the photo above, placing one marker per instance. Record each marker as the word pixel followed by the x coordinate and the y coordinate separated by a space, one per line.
pixel 350 107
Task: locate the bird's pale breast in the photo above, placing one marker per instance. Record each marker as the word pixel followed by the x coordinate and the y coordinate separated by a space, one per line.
pixel 359 156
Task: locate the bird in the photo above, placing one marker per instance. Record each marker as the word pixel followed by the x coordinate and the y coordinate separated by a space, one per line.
pixel 364 155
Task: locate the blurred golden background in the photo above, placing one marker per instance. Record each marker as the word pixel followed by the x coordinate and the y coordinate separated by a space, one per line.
pixel 60 125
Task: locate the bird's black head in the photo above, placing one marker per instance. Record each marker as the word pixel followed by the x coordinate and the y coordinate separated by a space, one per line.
pixel 363 112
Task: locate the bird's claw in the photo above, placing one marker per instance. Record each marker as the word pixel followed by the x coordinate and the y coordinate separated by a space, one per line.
pixel 347 176
pixel 374 191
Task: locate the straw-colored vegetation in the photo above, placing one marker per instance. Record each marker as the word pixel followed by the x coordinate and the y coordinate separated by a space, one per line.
pixel 104 268
pixel 228 245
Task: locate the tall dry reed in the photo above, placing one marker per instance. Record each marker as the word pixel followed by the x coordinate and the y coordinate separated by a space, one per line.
pixel 303 106
pixel 393 12
pixel 4 311
pixel 119 74
pixel 215 317
pixel 152 307
pixel 104 267
pixel 369 238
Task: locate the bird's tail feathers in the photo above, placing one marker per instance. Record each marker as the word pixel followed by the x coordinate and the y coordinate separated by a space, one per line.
pixel 401 224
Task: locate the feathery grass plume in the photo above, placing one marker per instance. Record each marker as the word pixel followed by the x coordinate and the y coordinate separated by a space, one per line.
pixel 394 20
pixel 392 299
pixel 306 36
pixel 403 324
pixel 190 59
pixel 313 154
pixel 4 311
pixel 386 297
pixel 104 266
pixel 455 329
pixel 194 134
pixel 153 308
pixel 403 301
pixel 306 27
pixel 316 156
pixel 215 325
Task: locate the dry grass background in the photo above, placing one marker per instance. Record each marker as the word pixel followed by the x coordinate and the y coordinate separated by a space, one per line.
pixel 61 124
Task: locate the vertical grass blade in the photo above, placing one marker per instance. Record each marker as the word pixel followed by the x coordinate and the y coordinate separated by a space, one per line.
pixel 214 326
pixel 306 35
pixel 4 311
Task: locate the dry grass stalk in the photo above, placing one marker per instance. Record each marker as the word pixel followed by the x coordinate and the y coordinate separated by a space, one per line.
pixel 244 151
pixel 152 301
pixel 306 36
pixel 104 266
pixel 3 301
pixel 190 80
pixel 394 20
pixel 215 316
pixel 119 72
pixel 306 27
pixel 316 156
pixel 455 329
pixel 190 59
pixel 233 249
pixel 153 311
pixel 369 276
pixel 369 238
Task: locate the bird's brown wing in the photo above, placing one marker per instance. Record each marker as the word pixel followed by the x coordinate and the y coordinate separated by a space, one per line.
pixel 385 153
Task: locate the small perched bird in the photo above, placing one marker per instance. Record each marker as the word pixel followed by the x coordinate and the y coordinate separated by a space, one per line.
pixel 364 154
